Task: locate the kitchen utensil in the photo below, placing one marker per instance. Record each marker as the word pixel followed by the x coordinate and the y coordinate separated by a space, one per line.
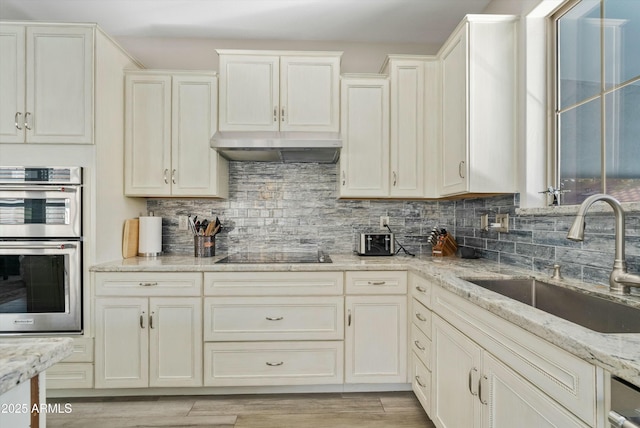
pixel 130 238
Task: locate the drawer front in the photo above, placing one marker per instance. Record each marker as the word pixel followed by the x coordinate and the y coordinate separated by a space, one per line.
pixel 273 318
pixel 376 282
pixel 421 383
pixel 421 317
pixel 420 289
pixel 82 351
pixel 421 345
pixel 273 283
pixel 566 378
pixel 69 375
pixel 273 363
pixel 148 283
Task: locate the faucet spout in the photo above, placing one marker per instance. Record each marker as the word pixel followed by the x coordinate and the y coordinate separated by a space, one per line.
pixel 620 280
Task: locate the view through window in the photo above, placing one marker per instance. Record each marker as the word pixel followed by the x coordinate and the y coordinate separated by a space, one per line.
pixel 597 108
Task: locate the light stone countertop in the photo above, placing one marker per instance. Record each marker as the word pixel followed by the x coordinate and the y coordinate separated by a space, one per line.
pixel 617 353
pixel 23 358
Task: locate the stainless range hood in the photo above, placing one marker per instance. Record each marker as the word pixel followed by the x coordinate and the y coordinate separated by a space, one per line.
pixel 288 147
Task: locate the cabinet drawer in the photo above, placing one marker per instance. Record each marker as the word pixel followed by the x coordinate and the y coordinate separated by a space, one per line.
pixel 148 284
pixel 421 317
pixel 273 318
pixel 273 283
pixel 273 363
pixel 420 289
pixel 82 351
pixel 421 383
pixel 421 345
pixel 376 282
pixel 70 375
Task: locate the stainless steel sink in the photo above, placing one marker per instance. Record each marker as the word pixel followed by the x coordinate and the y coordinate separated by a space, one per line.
pixel 589 311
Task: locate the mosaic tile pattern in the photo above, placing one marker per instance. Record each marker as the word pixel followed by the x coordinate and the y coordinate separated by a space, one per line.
pixel 294 207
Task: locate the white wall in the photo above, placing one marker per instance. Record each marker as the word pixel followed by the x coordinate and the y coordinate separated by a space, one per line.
pixel 199 54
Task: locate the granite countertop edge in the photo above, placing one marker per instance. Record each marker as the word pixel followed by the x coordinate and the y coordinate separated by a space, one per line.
pixel 22 358
pixel 616 353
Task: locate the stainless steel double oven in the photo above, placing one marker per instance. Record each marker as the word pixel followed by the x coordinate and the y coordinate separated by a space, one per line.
pixel 40 250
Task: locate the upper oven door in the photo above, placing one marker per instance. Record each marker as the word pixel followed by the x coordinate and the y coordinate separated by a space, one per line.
pixel 40 211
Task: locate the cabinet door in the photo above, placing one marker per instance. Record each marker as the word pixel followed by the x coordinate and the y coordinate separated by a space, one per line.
pixel 376 339
pixel 175 341
pixel 456 372
pixel 407 128
pixel 12 73
pixel 309 93
pixel 249 93
pixel 454 172
pixel 512 401
pixel 194 114
pixel 122 343
pixel 59 85
pixel 147 135
pixel 364 158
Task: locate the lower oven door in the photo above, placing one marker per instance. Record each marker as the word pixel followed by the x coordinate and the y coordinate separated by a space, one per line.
pixel 40 286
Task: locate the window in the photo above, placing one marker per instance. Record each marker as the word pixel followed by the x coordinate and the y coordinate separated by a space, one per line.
pixel 597 99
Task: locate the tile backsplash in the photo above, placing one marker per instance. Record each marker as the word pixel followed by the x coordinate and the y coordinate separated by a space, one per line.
pixel 294 207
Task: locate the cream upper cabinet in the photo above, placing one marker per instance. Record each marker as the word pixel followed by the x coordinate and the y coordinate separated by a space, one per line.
pixel 364 158
pixel 46 84
pixel 408 80
pixel 169 120
pixel 479 107
pixel 279 91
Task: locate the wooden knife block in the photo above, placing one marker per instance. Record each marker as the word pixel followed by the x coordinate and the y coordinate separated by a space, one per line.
pixel 445 247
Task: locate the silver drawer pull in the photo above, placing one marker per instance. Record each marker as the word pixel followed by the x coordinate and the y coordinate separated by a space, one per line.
pixel 619 421
pixel 147 284
pixel 275 318
pixel 420 316
pixel 275 364
pixel 419 345
pixel 377 282
pixel 421 289
pixel 420 382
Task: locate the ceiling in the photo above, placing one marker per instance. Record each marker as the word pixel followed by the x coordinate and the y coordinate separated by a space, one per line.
pixel 372 21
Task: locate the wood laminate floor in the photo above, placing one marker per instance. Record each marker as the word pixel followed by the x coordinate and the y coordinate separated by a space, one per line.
pixel 349 410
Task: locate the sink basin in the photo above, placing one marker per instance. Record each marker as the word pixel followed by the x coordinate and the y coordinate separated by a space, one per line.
pixel 589 311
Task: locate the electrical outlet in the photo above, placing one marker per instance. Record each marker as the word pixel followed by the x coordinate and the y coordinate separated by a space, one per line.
pixel 503 220
pixel 484 222
pixel 183 222
pixel 384 221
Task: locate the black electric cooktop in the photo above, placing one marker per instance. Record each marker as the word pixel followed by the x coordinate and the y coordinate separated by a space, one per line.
pixel 276 257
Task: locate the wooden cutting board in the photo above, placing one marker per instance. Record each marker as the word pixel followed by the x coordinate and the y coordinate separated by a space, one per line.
pixel 130 238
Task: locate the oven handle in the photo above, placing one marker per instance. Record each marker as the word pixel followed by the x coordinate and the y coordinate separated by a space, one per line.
pixel 12 245
pixel 67 189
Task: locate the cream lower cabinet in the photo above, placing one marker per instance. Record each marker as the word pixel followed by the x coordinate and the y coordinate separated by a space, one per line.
pixel 75 371
pixel 490 373
pixel 376 327
pixel 258 332
pixel 420 334
pixel 144 340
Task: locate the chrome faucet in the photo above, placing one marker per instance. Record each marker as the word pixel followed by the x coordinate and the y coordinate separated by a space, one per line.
pixel 620 281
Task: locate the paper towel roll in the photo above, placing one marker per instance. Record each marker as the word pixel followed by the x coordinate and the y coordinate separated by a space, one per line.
pixel 150 236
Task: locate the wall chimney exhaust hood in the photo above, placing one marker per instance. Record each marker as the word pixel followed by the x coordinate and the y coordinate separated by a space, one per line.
pixel 278 146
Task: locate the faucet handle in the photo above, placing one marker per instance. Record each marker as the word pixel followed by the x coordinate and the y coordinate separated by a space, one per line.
pixel 556 272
